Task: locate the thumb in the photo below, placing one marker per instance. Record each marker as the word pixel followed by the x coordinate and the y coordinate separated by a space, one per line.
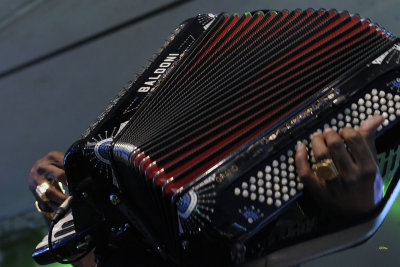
pixel 368 130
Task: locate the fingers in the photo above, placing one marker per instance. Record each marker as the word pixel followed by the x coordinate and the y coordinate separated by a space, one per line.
pixel 55 195
pixel 54 173
pixel 368 129
pixel 369 126
pixel 357 146
pixel 307 176
pixel 56 158
pixel 340 156
pixel 49 169
pixel 319 147
pixel 50 173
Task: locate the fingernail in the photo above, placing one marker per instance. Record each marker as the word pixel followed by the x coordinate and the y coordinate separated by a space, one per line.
pixel 315 134
pixel 327 130
pixel 299 143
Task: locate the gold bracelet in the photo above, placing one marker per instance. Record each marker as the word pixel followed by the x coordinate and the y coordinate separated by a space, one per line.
pixel 47 214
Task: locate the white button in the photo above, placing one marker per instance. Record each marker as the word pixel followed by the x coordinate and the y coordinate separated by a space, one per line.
pixel 374 91
pixel 285 197
pixel 260 182
pixel 367 97
pixel 284 181
pixel 268 169
pixel 353 106
pixel 368 104
pixel 275 163
pixel 253 196
pixel 292 192
pixel 269 201
pixel 382 93
pixel 360 101
pixel 278 203
pixel 292 183
pixel 237 191
pixel 361 109
pixel 261 199
pixel 245 193
pixel 268 185
pixel 277 194
pixel 260 174
pixel 285 189
pixel 291 168
pixel 260 190
pixel 276 179
pixel 382 101
pixel 290 153
pixel 269 192
pixel 276 187
pixel 253 188
pixel 300 186
pixel 252 179
pixel 244 185
pixel 392 117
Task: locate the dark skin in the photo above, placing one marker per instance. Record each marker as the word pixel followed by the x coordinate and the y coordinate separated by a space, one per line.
pixel 51 169
pixel 353 192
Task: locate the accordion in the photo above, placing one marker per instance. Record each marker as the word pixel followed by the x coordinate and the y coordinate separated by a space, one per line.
pixel 196 155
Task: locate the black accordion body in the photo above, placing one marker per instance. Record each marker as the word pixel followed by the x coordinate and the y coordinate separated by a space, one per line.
pixel 196 155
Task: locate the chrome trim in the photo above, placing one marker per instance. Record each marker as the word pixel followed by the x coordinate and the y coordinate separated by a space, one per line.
pixel 122 152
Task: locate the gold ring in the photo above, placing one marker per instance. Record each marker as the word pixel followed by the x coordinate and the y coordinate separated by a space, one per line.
pixel 41 190
pixel 325 169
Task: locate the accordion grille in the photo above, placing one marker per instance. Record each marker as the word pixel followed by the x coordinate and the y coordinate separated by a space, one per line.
pixel 246 74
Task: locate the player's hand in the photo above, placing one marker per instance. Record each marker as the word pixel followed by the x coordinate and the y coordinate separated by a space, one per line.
pixel 49 169
pixel 358 186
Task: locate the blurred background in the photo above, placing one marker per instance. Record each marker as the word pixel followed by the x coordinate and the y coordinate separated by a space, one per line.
pixel 61 62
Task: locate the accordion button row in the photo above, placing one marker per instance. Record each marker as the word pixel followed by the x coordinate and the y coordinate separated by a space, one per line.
pixel 278 182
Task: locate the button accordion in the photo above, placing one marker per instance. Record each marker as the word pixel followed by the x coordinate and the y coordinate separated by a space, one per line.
pixel 197 153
